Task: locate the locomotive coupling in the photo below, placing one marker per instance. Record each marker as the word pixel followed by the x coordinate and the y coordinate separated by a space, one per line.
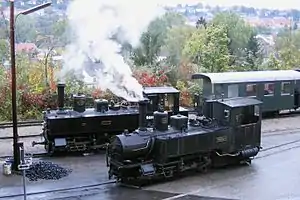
pixel 37 143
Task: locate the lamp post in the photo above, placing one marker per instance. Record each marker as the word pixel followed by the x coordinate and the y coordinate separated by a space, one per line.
pixel 13 75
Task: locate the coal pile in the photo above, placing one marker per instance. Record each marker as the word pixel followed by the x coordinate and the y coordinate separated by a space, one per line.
pixel 47 171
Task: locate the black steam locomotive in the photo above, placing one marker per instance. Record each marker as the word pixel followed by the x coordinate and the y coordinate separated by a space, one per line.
pixel 86 129
pixel 230 133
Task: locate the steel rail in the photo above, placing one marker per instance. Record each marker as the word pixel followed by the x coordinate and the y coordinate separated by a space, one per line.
pixel 4 125
pixel 59 190
pixel 34 155
pixel 22 122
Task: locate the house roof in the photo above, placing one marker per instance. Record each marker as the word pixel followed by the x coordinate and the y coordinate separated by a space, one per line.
pixel 27 47
pixel 249 77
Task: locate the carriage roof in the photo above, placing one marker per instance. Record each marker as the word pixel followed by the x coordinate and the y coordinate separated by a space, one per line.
pixel 249 76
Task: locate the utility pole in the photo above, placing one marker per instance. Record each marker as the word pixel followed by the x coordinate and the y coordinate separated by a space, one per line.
pixel 16 149
pixel 13 87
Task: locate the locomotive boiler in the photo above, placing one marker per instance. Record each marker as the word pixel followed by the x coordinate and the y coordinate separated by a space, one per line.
pixel 228 133
pixel 85 129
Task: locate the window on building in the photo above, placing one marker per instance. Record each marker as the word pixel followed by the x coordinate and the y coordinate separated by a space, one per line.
pixel 251 89
pixel 269 89
pixel 285 88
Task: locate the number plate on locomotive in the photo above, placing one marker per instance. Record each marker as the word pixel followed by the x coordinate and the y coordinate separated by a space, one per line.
pixel 221 139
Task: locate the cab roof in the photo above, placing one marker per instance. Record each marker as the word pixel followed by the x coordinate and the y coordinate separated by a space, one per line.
pixel 160 90
pixel 240 102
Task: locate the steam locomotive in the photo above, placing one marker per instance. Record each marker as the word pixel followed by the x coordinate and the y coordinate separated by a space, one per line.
pixel 86 129
pixel 228 133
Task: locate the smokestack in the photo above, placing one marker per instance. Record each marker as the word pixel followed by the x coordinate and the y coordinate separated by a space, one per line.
pixel 61 95
pixel 142 114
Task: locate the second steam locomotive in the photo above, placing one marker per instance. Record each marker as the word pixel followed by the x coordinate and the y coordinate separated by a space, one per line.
pixel 85 129
pixel 229 133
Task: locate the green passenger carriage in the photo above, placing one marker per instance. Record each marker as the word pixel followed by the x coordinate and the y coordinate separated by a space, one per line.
pixel 278 90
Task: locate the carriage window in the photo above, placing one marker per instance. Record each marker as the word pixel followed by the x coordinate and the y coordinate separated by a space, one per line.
pixel 251 90
pixel 285 88
pixel 269 89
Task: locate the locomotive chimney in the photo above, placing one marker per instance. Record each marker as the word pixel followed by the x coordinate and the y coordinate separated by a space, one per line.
pixel 142 114
pixel 61 95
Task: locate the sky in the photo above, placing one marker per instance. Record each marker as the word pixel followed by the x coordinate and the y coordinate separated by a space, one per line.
pixel 280 4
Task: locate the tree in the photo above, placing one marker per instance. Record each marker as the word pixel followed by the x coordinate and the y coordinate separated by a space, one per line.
pixel 251 57
pixel 295 26
pixel 201 22
pixel 254 53
pixel 4 46
pixel 208 49
pixel 174 43
pixel 154 39
pixel 239 34
pixel 148 52
pixel 273 63
pixel 25 29
pixel 288 47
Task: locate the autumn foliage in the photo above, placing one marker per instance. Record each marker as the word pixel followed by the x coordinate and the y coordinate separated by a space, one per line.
pixel 33 96
pixel 149 79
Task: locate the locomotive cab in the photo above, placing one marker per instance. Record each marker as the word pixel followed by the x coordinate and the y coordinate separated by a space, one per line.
pixel 165 97
pixel 243 117
pixel 234 111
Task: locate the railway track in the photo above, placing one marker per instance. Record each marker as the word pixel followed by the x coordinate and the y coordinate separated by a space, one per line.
pixel 35 155
pixel 4 125
pixel 21 124
pixel 21 136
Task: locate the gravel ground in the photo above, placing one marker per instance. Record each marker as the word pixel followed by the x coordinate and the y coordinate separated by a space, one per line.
pixel 29 130
pixel 6 146
pixel 268 125
pixel 85 170
pixel 284 123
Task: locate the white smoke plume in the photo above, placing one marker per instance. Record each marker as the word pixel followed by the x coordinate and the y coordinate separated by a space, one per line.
pixel 94 53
